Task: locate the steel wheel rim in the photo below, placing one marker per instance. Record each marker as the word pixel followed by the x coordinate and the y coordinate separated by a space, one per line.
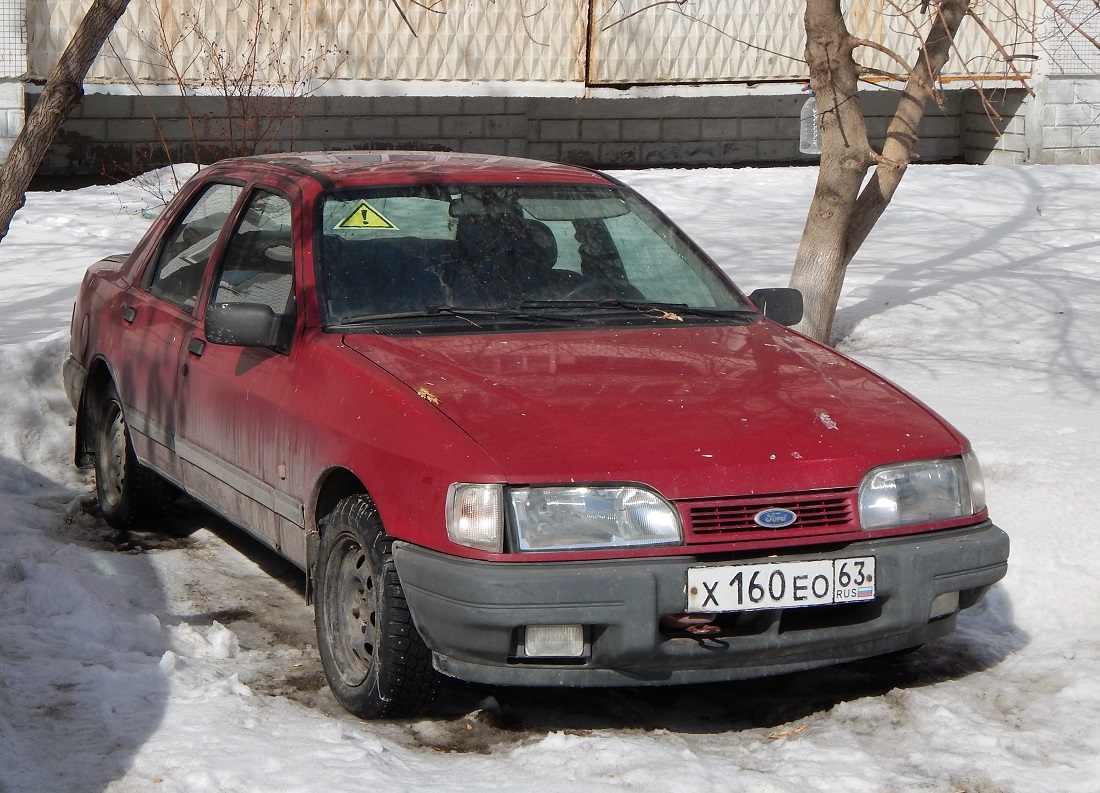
pixel 114 470
pixel 353 611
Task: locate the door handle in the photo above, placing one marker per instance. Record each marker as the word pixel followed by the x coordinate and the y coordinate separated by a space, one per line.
pixel 129 314
pixel 196 347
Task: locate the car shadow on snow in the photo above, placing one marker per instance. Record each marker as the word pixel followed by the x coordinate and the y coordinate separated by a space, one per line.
pixel 81 688
pixel 235 581
pixel 478 718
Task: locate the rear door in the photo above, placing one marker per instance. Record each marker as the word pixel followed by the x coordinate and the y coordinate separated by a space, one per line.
pixel 155 317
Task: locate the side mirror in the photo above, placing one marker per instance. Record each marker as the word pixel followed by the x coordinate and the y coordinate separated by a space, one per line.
pixel 782 305
pixel 243 325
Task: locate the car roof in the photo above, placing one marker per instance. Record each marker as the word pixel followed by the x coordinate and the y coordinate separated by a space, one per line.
pixel 363 168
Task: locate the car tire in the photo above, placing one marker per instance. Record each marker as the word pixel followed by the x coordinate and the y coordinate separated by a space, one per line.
pixel 128 492
pixel 375 660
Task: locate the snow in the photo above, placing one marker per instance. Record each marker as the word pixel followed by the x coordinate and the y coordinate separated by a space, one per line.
pixel 184 660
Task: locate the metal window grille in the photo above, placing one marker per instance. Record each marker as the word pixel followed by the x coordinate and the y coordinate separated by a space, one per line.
pixel 1072 24
pixel 13 38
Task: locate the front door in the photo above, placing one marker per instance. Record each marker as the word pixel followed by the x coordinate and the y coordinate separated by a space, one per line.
pixel 230 416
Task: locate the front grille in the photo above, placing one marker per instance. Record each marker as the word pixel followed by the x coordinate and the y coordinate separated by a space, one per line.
pixel 818 511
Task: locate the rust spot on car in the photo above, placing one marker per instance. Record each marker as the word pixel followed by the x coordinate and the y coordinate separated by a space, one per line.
pixel 424 393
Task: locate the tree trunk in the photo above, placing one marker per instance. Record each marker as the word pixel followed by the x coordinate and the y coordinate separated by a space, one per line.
pixel 845 157
pixel 840 217
pixel 61 94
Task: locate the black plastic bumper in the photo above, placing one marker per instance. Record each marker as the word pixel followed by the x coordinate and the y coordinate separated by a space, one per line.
pixel 472 613
pixel 75 376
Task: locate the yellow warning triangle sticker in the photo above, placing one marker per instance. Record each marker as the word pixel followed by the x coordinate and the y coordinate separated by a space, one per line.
pixel 364 216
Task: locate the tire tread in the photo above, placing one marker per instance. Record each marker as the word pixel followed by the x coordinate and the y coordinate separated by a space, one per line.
pixel 147 497
pixel 402 681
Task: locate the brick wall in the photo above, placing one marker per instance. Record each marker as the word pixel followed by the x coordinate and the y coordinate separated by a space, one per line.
pixel 1059 125
pixel 995 127
pixel 118 134
pixel 11 114
pixel 1070 121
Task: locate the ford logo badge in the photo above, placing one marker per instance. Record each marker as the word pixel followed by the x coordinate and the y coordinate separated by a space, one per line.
pixel 774 518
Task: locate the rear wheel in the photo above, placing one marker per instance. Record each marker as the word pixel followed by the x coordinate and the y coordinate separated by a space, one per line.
pixel 128 492
pixel 375 660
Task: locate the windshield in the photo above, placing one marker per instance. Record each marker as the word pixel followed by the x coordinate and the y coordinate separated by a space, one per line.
pixel 430 250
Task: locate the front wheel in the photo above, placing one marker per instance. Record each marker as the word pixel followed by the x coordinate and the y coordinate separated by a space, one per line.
pixel 126 489
pixel 375 660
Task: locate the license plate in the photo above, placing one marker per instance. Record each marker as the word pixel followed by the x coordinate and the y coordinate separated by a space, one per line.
pixel 781 585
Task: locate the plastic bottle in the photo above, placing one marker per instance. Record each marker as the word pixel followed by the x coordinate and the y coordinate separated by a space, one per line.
pixel 809 132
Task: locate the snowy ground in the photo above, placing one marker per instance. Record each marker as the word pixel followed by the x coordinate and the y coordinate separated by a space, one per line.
pixel 184 661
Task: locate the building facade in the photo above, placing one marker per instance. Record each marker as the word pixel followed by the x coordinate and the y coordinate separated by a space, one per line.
pixel 608 83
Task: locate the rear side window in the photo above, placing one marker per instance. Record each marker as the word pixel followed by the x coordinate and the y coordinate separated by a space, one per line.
pixel 177 276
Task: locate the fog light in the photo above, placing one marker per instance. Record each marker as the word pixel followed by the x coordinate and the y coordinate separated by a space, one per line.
pixel 553 641
pixel 947 603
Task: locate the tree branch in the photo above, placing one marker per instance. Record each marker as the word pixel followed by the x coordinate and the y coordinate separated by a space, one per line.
pixel 1053 6
pixel 874 45
pixel 643 9
pixel 901 136
pixel 1000 48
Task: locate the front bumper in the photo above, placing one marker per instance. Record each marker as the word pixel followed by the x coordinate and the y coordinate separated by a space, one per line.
pixel 472 613
pixel 75 376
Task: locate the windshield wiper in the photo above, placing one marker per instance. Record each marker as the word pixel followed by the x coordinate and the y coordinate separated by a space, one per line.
pixel 653 308
pixel 468 314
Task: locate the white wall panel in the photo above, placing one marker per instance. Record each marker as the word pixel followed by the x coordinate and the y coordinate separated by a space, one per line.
pixel 521 40
pixel 166 42
pixel 517 40
pixel 632 41
pixel 641 41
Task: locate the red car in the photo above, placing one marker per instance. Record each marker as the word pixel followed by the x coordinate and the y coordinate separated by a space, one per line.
pixel 515 427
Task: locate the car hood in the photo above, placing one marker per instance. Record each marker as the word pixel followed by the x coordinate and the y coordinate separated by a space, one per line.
pixel 694 411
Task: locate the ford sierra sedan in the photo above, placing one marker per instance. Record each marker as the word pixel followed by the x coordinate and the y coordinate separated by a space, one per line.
pixel 516 428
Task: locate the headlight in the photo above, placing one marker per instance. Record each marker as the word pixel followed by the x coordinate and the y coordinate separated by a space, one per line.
pixel 475 516
pixel 921 492
pixel 579 518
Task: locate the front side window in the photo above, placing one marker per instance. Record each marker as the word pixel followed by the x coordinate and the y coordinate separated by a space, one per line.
pixel 177 274
pixel 258 264
pixel 395 253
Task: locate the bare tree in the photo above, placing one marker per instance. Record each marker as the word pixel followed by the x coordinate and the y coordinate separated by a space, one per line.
pixel 842 214
pixel 261 81
pixel 856 180
pixel 62 93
